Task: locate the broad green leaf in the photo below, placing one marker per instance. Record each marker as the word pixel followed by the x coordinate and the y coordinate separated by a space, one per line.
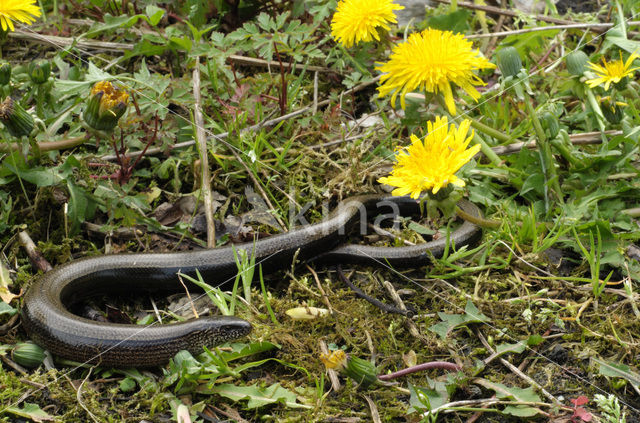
pixel 30 411
pixel 455 21
pixel 127 384
pixel 258 396
pixel 506 392
pixel 78 205
pixel 154 14
pixel 521 410
pixel 618 370
pixel 519 347
pixel 7 309
pixel 38 176
pixel 426 399
pixel 452 321
pixel 240 350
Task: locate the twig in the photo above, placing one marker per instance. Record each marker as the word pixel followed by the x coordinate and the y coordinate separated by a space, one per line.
pixel 359 293
pixel 576 139
pixel 58 42
pixel 37 259
pixel 411 326
pixel 420 367
pixel 15 366
pixel 598 27
pixel 5 328
pixel 79 397
pixel 205 174
pixel 325 299
pixel 252 61
pixel 375 415
pixel 498 11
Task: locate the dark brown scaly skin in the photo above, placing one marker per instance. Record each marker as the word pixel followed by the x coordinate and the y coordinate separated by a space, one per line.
pixel 49 323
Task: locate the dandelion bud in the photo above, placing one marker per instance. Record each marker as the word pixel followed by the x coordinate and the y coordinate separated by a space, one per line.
pixel 612 110
pixel 106 106
pixel 576 62
pixel 509 62
pixel 39 71
pixel 28 354
pixel 550 125
pixel 5 73
pixel 18 122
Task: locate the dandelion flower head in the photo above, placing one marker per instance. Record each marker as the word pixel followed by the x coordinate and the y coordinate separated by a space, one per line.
pixel 359 20
pixel 112 95
pixel 432 164
pixel 23 11
pixel 432 60
pixel 611 72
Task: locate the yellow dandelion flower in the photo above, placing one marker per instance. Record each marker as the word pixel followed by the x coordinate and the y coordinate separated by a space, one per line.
pixel 17 10
pixel 432 164
pixel 359 20
pixel 432 60
pixel 611 72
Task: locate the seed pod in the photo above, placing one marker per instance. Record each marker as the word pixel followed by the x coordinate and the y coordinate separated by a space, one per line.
pixel 39 71
pixel 105 106
pixel 509 61
pixel 18 122
pixel 5 73
pixel 550 125
pixel 576 62
pixel 28 354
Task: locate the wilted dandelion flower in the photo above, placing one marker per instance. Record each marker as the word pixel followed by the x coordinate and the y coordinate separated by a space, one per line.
pixel 17 10
pixel 432 164
pixel 359 20
pixel 361 371
pixel 432 60
pixel 335 360
pixel 611 72
pixel 107 103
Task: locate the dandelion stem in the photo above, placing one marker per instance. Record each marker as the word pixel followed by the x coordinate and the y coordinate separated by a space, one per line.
pixel 480 221
pixel 546 158
pixel 488 130
pixel 487 151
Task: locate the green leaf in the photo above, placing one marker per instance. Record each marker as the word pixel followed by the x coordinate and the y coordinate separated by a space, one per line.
pixel 258 396
pixel 154 13
pixel 78 206
pixel 618 370
pixel 127 384
pixel 426 398
pixel 241 350
pixel 421 229
pixel 616 37
pixel 452 321
pixel 30 411
pixel 7 309
pixel 506 392
pixel 521 410
pixel 38 176
pixel 455 22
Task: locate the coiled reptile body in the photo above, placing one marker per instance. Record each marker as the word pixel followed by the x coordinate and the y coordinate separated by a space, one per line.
pixel 48 321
